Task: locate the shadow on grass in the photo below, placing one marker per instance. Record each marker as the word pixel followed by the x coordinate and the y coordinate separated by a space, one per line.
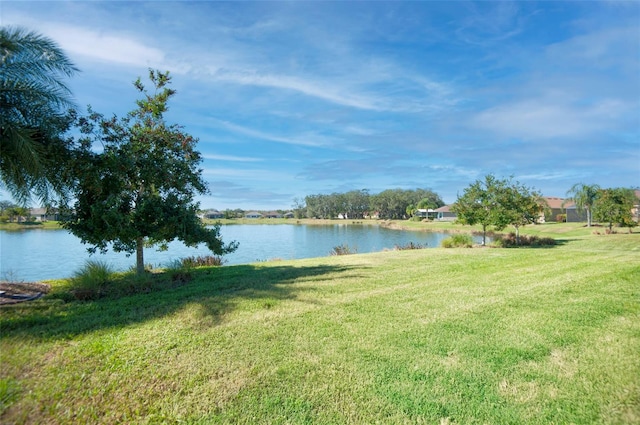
pixel 218 290
pixel 557 243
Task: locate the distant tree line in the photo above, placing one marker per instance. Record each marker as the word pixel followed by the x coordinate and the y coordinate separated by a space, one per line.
pixel 356 204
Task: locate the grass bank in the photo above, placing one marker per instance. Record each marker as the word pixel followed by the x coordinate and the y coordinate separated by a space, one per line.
pixel 30 225
pixel 444 336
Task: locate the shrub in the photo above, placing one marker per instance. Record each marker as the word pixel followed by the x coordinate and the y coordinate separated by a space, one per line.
pixel 509 241
pixel 178 273
pixel 91 281
pixel 561 218
pixel 458 241
pixel 343 250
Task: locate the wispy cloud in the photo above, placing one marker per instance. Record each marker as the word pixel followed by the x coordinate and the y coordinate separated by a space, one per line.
pixel 487 24
pixel 309 139
pixel 232 158
pixel 545 119
pixel 322 90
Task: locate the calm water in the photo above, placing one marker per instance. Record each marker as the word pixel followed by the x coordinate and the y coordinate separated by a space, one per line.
pixel 37 254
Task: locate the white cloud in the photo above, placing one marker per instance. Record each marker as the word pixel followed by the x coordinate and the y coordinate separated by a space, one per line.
pixel 104 47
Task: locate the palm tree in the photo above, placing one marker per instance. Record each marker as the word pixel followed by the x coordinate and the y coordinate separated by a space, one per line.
pixel 584 196
pixel 33 103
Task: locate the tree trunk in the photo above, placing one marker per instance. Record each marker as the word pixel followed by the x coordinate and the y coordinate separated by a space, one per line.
pixel 484 234
pixel 517 235
pixel 140 256
pixel 588 217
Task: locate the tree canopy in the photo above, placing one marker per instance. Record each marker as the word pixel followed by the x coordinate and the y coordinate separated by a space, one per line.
pixel 614 205
pixel 140 188
pixel 498 203
pixel 34 102
pixel 389 204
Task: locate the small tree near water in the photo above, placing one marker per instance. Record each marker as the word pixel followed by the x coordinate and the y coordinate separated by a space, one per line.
pixel 498 203
pixel 480 204
pixel 139 189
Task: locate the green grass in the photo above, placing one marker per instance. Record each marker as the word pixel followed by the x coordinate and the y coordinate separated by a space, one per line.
pixel 437 336
pixel 29 225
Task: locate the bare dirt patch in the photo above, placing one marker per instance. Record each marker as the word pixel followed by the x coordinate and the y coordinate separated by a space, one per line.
pixel 12 293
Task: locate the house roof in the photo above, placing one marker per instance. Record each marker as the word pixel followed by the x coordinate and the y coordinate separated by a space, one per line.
pixel 554 202
pixel 446 208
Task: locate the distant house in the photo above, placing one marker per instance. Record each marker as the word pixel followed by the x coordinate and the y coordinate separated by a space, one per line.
pixel 445 214
pixel 253 214
pixel 213 214
pixel 273 214
pixel 42 215
pixel 425 213
pixel 558 206
pixel 289 214
pixel 635 211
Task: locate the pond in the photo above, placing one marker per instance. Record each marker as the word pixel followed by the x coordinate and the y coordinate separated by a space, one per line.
pixel 39 254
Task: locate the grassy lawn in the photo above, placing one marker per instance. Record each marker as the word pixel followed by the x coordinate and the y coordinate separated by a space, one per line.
pixel 436 336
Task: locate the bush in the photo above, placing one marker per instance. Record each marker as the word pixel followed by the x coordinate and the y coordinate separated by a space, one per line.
pixel 91 281
pixel 343 250
pixel 509 241
pixel 561 218
pixel 458 241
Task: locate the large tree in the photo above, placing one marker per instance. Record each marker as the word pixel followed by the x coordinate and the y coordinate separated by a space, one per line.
pixel 34 101
pixel 584 196
pixel 139 189
pixel 614 206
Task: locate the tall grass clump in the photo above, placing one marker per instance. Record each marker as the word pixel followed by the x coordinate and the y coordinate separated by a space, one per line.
pixel 9 392
pixel 343 249
pixel 92 280
pixel 203 261
pixel 409 246
pixel 458 241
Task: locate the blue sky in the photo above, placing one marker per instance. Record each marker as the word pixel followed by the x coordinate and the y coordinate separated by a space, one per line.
pixel 290 99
